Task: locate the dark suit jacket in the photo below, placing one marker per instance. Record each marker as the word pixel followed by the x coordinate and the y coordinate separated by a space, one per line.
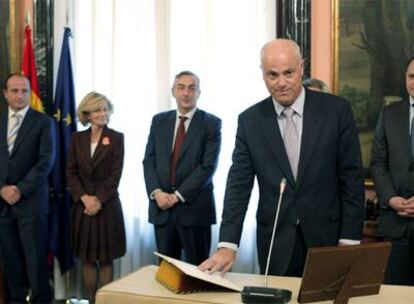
pixel 98 175
pixel 195 167
pixel 328 196
pixel 29 164
pixel 392 164
pixel 100 237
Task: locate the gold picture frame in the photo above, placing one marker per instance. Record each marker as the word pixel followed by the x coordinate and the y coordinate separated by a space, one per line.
pixel 15 15
pixel 13 19
pixel 335 46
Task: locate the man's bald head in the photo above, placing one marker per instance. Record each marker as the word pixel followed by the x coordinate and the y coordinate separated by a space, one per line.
pixel 282 67
pixel 280 46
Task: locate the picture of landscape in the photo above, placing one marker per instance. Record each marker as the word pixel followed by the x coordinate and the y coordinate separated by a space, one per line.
pixel 375 40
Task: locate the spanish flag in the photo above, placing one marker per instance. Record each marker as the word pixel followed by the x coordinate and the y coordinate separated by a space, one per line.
pixel 29 70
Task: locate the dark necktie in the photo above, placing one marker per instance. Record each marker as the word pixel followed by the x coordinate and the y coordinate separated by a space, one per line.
pixel 179 138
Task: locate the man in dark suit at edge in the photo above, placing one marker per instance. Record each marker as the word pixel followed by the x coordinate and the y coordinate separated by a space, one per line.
pixel 180 160
pixel 26 158
pixel 392 165
pixel 309 138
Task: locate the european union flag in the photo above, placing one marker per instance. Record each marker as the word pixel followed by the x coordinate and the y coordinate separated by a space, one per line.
pixel 64 113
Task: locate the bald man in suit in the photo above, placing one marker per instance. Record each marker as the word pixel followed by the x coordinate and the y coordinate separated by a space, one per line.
pixel 179 181
pixel 26 158
pixel 309 138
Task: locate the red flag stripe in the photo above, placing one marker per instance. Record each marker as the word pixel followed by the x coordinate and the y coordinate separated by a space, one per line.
pixel 29 70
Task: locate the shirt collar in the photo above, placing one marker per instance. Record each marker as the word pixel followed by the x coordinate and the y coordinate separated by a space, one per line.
pixel 411 101
pixel 297 105
pixel 22 112
pixel 189 115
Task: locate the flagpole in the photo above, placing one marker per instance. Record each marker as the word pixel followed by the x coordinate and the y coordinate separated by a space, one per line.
pixel 27 19
pixel 64 106
pixel 67 13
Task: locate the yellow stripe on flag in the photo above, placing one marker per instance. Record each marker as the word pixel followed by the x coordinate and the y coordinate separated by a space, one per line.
pixel 36 102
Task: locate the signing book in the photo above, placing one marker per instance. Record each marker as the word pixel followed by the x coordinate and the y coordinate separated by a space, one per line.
pixel 181 277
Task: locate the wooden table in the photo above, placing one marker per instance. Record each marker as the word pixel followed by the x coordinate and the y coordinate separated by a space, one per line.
pixel 141 287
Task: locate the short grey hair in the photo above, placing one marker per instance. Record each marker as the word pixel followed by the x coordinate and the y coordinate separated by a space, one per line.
pixel 187 73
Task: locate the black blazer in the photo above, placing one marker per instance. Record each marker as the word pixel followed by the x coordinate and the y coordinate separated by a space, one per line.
pixel 328 196
pixel 196 165
pixel 29 164
pixel 392 164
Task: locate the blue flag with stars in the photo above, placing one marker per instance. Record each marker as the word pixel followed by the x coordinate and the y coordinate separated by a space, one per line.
pixel 64 112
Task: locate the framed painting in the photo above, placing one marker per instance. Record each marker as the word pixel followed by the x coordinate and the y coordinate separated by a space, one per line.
pixel 372 42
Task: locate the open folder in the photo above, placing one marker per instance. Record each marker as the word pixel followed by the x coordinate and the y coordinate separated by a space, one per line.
pixel 182 277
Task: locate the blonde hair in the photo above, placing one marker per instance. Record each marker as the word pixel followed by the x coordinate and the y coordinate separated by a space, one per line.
pixel 90 103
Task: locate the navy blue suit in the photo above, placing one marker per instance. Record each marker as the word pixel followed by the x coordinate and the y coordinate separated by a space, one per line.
pixel 23 226
pixel 194 173
pixel 328 195
pixel 393 172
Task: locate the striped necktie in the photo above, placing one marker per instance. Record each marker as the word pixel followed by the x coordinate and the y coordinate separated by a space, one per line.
pixel 12 135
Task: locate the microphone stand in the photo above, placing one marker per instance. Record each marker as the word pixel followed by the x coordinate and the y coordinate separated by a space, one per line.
pixel 282 191
pixel 254 294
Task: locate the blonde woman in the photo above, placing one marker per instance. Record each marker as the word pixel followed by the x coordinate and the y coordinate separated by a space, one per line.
pixel 93 171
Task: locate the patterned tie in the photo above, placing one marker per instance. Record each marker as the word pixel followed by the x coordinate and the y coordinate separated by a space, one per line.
pixel 291 140
pixel 11 136
pixel 179 138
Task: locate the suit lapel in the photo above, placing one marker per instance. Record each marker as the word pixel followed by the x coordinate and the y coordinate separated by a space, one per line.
pixel 166 132
pixel 102 148
pixel 26 126
pixel 271 130
pixel 3 132
pixel 311 127
pixel 403 123
pixel 85 147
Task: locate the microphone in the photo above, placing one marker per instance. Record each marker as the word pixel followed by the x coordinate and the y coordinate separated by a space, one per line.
pixel 282 191
pixel 254 294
